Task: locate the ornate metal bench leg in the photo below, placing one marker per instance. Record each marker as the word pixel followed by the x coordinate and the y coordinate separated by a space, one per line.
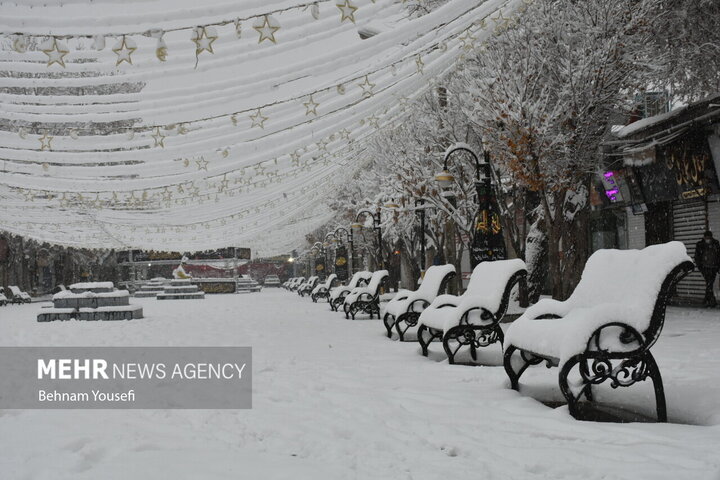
pixel 572 399
pixel 500 335
pixel 422 331
pixel 399 322
pixel 585 372
pixel 526 361
pixel 388 324
pixel 654 374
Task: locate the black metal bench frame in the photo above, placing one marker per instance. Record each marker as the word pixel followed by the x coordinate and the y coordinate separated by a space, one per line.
pixel 295 286
pixel 465 334
pixel 323 292
pixel 307 288
pixel 335 304
pixel 409 318
pixel 597 365
pixel 366 303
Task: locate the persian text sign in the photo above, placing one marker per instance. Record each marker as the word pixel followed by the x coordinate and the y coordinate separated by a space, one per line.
pixel 126 377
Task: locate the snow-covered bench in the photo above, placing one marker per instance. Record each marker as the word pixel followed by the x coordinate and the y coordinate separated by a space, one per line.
pixel 338 294
pixel 296 283
pixel 404 309
pixel 605 330
pixel 322 290
pixel 472 319
pixel 307 286
pixel 366 299
pixel 17 295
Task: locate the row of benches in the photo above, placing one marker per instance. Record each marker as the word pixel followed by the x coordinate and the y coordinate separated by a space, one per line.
pixel 13 294
pixel 602 333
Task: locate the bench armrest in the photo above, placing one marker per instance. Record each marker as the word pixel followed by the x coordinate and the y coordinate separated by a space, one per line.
pixel 443 301
pixel 548 308
pixel 615 337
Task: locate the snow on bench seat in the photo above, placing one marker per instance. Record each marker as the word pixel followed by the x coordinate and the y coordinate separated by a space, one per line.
pixel 426 291
pixel 485 290
pixel 605 330
pixel 403 310
pixel 366 299
pixel 616 286
pixel 338 294
pixel 371 288
pixel 326 284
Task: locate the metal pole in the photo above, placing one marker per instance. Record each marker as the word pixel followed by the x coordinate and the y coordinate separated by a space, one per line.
pixel 380 251
pixel 352 253
pixel 422 239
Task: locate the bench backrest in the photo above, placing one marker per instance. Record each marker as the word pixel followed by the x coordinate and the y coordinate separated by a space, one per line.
pixel 330 279
pixel 489 280
pixel 639 279
pixel 434 280
pixel 377 278
pixel 359 277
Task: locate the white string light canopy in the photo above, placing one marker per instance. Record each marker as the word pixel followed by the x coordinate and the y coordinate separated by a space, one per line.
pixel 171 126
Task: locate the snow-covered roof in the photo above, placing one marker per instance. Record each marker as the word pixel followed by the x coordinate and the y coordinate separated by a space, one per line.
pixel 649 122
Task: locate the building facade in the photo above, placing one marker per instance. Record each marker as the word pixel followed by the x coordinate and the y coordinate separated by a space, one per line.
pixel 661 184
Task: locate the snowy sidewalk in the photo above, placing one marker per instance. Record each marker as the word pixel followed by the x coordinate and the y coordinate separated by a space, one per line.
pixel 335 399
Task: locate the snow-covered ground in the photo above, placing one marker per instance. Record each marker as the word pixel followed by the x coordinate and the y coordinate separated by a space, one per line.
pixel 336 399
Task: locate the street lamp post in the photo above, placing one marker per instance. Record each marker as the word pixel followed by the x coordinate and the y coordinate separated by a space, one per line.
pixel 349 240
pixel 319 248
pixel 488 243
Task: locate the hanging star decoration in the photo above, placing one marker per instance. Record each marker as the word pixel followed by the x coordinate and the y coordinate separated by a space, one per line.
pixel 45 141
pixel 223 184
pixel 203 40
pixel 56 54
pixel 29 195
pixel 322 145
pixel 123 50
pixel 345 134
pixel 311 107
pixel 258 120
pixel 159 138
pixel 202 163
pixel 501 23
pixel 367 87
pixel 266 30
pixel 373 121
pixel 467 40
pixel 347 11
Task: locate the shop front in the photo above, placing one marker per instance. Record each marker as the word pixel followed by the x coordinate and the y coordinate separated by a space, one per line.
pixel 661 184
